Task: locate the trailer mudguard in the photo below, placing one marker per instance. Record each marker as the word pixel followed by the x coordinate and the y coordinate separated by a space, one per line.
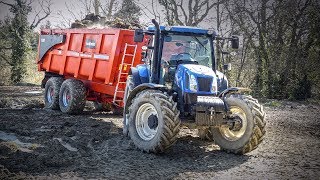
pixel 48 41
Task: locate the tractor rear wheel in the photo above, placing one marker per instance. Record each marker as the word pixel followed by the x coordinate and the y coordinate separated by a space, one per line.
pixel 248 131
pixel 129 88
pixel 51 93
pixel 153 121
pixel 72 96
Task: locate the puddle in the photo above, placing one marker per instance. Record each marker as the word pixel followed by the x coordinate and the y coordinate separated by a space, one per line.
pixel 66 145
pixel 43 129
pixel 33 92
pixel 22 146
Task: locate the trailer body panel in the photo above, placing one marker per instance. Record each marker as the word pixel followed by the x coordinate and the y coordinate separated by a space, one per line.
pixel 91 55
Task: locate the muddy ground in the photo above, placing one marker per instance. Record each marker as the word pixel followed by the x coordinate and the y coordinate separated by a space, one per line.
pixel 46 144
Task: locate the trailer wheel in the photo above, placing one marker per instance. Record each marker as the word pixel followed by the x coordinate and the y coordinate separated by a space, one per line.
pixel 72 96
pixel 129 87
pixel 153 121
pixel 248 133
pixel 51 93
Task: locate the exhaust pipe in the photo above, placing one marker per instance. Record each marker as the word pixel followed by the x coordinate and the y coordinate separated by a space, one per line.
pixel 156 65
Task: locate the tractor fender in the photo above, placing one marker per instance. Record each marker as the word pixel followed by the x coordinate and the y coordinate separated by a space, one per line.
pixel 140 88
pixel 139 74
pixel 233 90
pixel 135 76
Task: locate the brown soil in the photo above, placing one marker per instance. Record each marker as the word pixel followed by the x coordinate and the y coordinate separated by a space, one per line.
pixel 41 143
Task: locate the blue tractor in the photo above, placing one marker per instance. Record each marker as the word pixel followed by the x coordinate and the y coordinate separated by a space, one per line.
pixel 179 84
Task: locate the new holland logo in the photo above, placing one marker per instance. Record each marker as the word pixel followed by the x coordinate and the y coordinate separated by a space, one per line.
pixel 90 43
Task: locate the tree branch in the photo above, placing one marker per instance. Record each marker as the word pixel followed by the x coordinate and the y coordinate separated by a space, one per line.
pixel 44 8
pixel 6 59
pixel 11 5
pixel 184 13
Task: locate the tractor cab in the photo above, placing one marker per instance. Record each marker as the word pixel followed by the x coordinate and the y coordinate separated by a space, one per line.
pixel 183 60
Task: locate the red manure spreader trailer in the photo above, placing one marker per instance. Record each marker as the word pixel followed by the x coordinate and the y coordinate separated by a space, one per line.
pixel 86 64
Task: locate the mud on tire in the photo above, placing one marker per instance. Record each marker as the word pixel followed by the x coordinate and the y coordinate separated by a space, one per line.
pixel 255 129
pixel 51 93
pixel 129 87
pixel 154 121
pixel 72 96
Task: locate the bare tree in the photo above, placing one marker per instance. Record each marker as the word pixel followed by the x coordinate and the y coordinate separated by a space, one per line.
pixel 188 13
pixel 96 5
pixel 109 8
pixel 45 6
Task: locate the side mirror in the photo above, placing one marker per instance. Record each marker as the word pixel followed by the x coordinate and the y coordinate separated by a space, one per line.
pixel 235 42
pixel 227 67
pixel 138 35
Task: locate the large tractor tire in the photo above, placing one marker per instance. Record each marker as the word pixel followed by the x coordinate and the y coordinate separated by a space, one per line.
pixel 153 121
pixel 248 133
pixel 51 93
pixel 129 88
pixel 72 96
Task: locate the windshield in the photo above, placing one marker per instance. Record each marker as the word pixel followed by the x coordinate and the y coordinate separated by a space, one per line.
pixel 187 48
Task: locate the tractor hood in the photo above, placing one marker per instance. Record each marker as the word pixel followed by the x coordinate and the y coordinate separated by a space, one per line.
pixel 193 78
pixel 198 69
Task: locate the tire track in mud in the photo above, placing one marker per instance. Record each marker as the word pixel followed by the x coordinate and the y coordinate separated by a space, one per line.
pixel 91 145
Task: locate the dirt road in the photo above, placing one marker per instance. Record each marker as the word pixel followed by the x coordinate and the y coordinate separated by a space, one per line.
pixel 41 143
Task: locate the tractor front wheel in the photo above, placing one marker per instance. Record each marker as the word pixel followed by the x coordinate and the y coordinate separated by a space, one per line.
pixel 248 128
pixel 153 121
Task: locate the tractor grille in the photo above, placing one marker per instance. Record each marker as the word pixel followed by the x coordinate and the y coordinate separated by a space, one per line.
pixel 204 83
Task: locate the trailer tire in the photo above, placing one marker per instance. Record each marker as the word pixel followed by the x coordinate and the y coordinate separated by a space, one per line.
pixel 153 121
pixel 72 96
pixel 51 92
pixel 249 109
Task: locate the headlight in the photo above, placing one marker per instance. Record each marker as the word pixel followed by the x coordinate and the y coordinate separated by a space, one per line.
pixel 214 87
pixel 167 28
pixel 193 85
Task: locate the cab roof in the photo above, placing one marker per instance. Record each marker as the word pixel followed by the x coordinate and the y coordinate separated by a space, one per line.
pixel 184 29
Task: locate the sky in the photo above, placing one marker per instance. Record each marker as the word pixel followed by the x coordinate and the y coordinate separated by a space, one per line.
pixel 61 11
pixel 54 18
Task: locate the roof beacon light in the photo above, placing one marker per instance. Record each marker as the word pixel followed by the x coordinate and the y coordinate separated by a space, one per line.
pixel 167 28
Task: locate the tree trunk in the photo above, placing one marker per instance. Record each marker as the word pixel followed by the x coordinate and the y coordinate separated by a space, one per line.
pixel 96 5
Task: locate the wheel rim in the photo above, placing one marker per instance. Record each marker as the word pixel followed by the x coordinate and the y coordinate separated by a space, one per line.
pixel 66 97
pixel 147 121
pixel 50 93
pixel 233 135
